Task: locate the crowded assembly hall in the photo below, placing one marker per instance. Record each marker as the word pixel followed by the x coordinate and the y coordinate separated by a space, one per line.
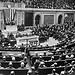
pixel 37 37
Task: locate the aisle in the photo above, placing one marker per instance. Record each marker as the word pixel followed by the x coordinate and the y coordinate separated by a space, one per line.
pixel 28 64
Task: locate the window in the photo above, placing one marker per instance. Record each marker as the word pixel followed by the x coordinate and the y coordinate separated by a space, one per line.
pixel 48 19
pixel 60 19
pixel 37 20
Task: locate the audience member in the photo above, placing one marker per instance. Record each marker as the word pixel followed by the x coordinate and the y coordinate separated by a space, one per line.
pixel 36 64
pixel 12 73
pixel 42 64
pixel 22 47
pixel 13 58
pixel 54 72
pixel 22 66
pixel 10 66
pixel 4 58
pixel 1 66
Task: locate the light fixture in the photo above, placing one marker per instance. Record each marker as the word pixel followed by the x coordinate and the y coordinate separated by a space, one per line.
pixel 9 6
pixel 66 15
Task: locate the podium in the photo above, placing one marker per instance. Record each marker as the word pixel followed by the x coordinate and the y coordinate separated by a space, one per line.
pixel 28 40
pixel 10 29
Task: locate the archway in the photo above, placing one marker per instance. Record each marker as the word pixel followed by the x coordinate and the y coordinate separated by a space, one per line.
pixel 60 19
pixel 37 20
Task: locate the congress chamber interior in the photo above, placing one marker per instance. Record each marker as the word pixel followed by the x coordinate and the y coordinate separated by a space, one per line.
pixel 37 37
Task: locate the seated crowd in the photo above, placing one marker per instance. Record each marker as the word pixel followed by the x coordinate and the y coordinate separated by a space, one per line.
pixel 58 59
pixel 9 43
pixel 60 32
pixel 15 61
pixel 47 59
pixel 49 4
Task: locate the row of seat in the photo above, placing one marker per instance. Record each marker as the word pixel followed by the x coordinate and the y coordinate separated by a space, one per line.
pixel 11 58
pixel 15 64
pixel 49 62
pixel 53 58
pixel 48 70
pixel 10 49
pixel 17 72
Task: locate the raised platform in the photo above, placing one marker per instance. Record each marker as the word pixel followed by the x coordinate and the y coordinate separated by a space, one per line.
pixel 28 40
pixel 11 28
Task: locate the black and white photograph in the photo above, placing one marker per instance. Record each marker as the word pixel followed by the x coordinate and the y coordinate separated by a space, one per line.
pixel 37 37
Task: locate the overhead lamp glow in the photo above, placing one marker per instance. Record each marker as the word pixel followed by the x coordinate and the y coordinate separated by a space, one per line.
pixel 9 6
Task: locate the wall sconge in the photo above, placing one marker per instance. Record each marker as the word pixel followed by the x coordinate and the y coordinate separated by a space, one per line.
pixel 66 15
pixel 9 6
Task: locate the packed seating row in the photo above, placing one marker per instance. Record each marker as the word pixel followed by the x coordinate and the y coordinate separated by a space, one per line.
pixel 49 4
pixel 60 59
pixel 11 58
pixel 13 72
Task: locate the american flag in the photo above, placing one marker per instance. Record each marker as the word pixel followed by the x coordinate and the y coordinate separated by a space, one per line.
pixel 9 15
pixel 13 12
pixel 6 13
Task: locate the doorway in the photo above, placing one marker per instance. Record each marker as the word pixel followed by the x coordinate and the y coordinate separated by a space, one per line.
pixel 60 19
pixel 28 19
pixel 37 20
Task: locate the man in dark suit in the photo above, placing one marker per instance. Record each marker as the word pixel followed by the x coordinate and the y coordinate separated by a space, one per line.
pixel 22 48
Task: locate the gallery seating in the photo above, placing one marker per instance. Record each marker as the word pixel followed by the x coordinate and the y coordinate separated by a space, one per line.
pixel 16 71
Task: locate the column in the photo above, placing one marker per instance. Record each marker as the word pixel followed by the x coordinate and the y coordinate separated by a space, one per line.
pixel 10 14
